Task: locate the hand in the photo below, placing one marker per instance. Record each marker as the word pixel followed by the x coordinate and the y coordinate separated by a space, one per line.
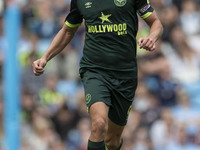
pixel 147 43
pixel 38 66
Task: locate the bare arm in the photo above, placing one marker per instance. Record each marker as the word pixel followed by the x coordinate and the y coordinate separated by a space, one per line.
pixel 60 41
pixel 156 30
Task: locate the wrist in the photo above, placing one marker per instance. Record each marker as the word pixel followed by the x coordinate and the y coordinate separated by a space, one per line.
pixel 152 38
pixel 45 58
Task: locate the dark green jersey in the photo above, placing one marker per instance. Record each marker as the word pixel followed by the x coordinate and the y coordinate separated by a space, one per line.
pixel 111 27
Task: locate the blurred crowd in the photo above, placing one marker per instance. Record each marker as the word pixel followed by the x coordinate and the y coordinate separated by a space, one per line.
pixel 165 113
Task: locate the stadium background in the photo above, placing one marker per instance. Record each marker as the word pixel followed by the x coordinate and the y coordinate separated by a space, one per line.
pixel 165 114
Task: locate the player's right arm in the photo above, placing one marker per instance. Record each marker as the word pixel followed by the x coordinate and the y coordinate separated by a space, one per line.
pixel 63 37
pixel 60 41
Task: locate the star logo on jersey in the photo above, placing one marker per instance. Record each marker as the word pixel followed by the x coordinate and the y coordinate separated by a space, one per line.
pixel 105 18
pixel 120 3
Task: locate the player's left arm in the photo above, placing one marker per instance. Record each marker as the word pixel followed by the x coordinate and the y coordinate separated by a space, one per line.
pixel 156 30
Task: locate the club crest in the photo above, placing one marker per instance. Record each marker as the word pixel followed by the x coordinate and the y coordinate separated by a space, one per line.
pixel 120 3
pixel 88 98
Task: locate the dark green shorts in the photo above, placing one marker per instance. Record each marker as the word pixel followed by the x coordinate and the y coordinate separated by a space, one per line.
pixel 116 93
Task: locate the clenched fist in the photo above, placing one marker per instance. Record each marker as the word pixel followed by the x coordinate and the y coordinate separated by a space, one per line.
pixel 38 66
pixel 147 43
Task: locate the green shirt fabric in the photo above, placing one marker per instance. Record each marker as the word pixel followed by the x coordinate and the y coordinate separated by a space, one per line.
pixel 110 39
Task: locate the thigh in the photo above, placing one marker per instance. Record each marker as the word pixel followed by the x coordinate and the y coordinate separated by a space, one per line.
pixel 96 89
pixel 122 97
pixel 99 110
pixel 119 112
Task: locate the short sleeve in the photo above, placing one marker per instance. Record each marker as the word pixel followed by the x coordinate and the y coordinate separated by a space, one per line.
pixel 144 8
pixel 74 18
